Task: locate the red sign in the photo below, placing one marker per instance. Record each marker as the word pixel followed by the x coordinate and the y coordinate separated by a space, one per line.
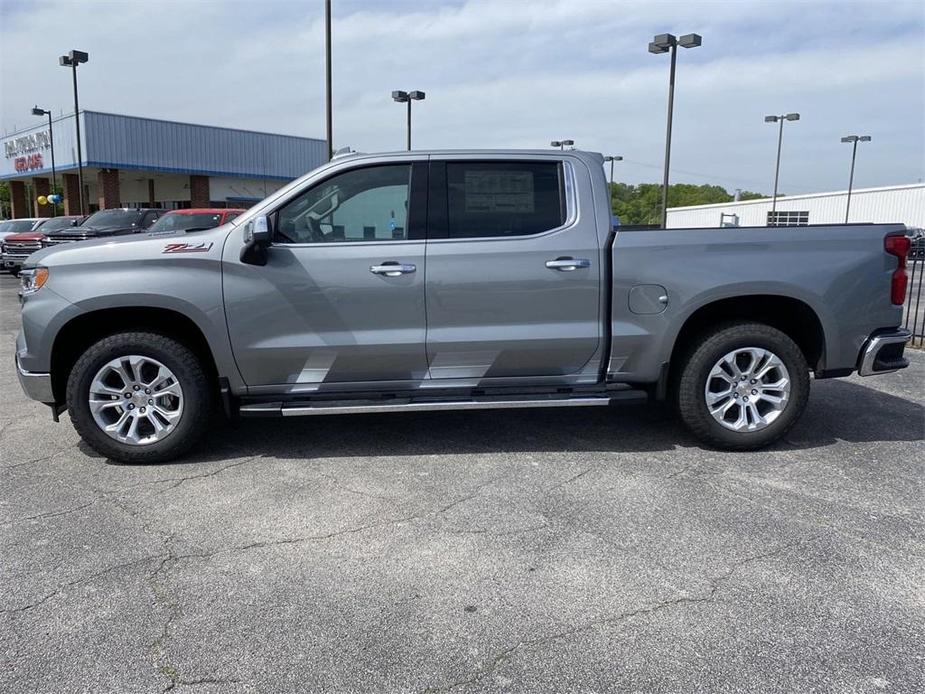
pixel 28 163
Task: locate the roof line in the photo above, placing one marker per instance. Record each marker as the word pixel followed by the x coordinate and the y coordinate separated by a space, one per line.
pixel 203 125
pixel 163 120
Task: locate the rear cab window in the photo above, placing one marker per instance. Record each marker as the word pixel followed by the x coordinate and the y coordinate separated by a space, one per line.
pixel 489 199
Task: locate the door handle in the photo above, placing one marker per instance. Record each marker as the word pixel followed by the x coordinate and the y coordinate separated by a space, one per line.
pixel 392 269
pixel 567 264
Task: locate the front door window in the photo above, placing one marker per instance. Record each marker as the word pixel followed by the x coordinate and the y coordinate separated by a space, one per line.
pixel 368 204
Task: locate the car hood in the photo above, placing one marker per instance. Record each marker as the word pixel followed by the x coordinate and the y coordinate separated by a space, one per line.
pixel 25 236
pixel 92 231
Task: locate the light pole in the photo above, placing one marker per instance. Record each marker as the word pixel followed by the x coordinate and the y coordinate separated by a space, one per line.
pixel 36 111
pixel 663 43
pixel 780 138
pixel 561 144
pixel 72 60
pixel 329 126
pixel 853 139
pixel 612 159
pixel 407 97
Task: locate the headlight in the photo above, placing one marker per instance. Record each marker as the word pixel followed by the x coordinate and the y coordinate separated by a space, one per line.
pixel 33 279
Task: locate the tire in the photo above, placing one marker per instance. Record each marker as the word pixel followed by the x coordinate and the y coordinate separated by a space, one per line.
pixel 726 350
pixel 186 414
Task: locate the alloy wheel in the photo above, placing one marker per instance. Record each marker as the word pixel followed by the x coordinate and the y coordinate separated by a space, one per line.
pixel 136 400
pixel 747 389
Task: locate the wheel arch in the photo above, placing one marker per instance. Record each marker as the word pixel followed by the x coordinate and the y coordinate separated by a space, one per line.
pixel 83 330
pixel 792 316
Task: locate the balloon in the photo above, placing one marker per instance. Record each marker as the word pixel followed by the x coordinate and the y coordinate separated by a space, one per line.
pixel 43 200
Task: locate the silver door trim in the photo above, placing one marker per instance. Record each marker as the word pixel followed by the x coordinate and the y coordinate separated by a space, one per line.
pixel 435 406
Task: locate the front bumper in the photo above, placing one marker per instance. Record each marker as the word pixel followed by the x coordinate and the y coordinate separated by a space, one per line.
pixel 13 260
pixel 37 386
pixel 883 353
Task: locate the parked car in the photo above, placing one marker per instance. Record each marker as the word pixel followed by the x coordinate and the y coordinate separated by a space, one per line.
pixel 18 226
pixel 194 219
pixel 15 248
pixel 107 223
pixel 453 280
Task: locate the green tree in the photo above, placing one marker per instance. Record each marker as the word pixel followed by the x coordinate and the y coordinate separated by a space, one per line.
pixel 642 204
pixel 5 200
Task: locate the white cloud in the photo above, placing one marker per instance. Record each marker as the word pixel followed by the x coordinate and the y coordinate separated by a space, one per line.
pixel 506 74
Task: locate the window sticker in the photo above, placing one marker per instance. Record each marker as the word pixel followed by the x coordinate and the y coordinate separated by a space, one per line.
pixel 499 191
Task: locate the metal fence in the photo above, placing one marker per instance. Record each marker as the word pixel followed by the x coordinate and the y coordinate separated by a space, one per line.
pixel 914 310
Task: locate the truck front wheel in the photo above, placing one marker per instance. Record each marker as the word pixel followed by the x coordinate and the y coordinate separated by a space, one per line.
pixel 743 386
pixel 139 397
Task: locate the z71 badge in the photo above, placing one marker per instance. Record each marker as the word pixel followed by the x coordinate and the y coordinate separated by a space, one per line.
pixel 188 247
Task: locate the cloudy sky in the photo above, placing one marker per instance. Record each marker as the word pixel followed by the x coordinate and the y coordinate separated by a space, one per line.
pixel 507 73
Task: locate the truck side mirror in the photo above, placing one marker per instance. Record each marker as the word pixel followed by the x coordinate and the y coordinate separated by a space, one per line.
pixel 257 239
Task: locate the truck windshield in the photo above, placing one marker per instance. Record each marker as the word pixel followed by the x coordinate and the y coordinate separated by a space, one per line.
pixel 16 226
pixel 59 223
pixel 113 219
pixel 180 222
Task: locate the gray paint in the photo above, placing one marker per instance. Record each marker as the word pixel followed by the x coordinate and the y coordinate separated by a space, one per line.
pixel 840 272
pixel 476 311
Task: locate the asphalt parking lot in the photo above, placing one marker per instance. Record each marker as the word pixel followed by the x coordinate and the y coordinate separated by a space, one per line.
pixel 523 551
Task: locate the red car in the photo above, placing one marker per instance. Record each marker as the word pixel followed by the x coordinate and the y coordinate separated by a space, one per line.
pixel 194 219
pixel 16 248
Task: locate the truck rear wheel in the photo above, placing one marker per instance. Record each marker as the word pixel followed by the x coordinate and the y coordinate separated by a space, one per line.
pixel 743 387
pixel 139 397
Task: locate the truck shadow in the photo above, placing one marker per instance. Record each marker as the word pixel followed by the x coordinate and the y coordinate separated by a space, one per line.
pixel 837 411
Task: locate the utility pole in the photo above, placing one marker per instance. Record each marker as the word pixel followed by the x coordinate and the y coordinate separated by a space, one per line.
pixel 329 126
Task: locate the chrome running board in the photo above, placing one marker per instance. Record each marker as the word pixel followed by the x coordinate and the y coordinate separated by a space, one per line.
pixel 303 409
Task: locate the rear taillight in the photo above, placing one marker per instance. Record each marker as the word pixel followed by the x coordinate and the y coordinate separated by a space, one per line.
pixel 898 246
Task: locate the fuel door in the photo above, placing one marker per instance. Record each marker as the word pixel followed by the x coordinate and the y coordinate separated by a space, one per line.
pixel 647 299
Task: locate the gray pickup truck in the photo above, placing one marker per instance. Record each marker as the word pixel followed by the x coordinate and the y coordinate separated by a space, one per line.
pixel 452 280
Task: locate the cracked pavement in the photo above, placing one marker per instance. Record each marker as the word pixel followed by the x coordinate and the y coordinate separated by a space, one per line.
pixel 573 550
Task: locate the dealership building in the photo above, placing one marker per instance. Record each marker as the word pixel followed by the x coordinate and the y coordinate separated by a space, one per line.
pixel 142 162
pixel 904 204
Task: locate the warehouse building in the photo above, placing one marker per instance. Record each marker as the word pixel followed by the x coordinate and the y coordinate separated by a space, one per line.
pixel 904 204
pixel 142 162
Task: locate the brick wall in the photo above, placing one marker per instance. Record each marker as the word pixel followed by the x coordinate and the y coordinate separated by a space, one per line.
pixel 108 180
pixel 199 191
pixel 19 206
pixel 41 186
pixel 71 190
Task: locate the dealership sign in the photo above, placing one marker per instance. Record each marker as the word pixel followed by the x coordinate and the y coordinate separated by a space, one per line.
pixel 26 151
pixel 29 163
pixel 27 144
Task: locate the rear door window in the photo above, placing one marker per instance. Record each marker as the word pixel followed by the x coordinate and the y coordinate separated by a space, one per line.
pixel 503 199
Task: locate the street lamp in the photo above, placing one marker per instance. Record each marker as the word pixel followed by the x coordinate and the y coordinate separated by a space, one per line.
pixel 612 159
pixel 853 139
pixel 36 111
pixel 561 144
pixel 780 138
pixel 72 60
pixel 663 43
pixel 407 97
